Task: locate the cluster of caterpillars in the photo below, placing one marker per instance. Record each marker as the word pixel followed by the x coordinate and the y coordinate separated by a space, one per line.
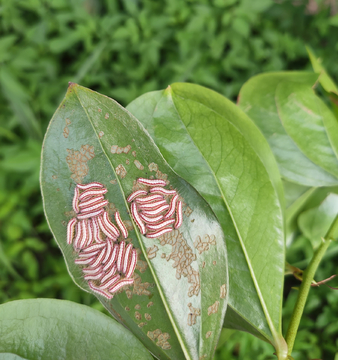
pixel 108 262
pixel 151 211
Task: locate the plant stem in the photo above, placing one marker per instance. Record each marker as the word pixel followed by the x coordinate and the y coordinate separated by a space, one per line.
pixel 308 276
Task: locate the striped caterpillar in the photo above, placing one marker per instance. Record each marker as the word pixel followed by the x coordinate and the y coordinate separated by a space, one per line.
pixel 150 210
pixel 109 264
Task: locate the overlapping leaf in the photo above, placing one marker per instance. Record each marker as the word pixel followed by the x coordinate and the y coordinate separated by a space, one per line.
pixel 315 222
pixel 324 78
pixel 273 101
pixel 54 329
pixel 216 147
pixel 177 281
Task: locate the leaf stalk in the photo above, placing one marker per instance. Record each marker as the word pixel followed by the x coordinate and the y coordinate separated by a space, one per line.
pixel 308 276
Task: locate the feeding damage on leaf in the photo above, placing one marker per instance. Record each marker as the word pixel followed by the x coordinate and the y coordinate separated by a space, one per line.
pixel 154 248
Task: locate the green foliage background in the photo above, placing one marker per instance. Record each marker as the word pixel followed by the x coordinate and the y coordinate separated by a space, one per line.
pixel 123 49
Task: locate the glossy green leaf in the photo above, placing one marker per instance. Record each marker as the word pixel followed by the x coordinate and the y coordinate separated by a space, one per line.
pixel 51 329
pixel 211 143
pixel 177 279
pixel 324 78
pixel 258 99
pixel 314 223
pixel 310 124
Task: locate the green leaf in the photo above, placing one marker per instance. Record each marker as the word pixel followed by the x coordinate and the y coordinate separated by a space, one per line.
pixel 296 197
pixel 310 124
pixel 258 99
pixel 314 223
pixel 177 279
pixel 57 329
pixel 212 144
pixel 324 78
pixel 7 356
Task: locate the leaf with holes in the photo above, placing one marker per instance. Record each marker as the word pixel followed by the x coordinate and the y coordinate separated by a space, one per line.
pixel 266 99
pixel 177 302
pixel 213 144
pixel 56 329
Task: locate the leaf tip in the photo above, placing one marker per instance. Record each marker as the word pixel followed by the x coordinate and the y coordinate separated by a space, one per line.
pixel 71 85
pixel 168 90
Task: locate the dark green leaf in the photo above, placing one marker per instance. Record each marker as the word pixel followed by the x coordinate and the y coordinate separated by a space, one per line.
pixel 314 223
pixel 57 329
pixel 258 99
pixel 212 144
pixel 177 277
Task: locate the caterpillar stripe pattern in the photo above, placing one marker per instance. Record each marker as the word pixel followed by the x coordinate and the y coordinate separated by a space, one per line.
pixel 152 212
pixel 108 263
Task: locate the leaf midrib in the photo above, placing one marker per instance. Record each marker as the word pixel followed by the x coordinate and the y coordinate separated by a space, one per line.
pixel 180 339
pixel 265 310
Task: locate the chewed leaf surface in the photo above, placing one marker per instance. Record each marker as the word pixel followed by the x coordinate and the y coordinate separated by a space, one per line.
pixel 178 300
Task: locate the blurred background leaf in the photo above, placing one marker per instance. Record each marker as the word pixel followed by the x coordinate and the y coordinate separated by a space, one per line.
pixel 315 222
pixel 124 49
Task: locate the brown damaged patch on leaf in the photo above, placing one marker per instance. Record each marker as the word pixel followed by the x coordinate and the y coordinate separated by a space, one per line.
pixel 151 252
pixel 141 264
pixel 138 186
pixel 160 175
pixel 66 128
pixel 128 224
pixel 140 288
pixel 204 244
pixel 121 171
pixel 183 257
pixel 223 291
pixel 77 161
pixel 160 338
pixel 138 165
pixel 187 211
pixel 213 309
pixel 208 334
pixel 70 214
pixel 115 149
pixel 138 316
pixel 194 312
pixel 153 167
pixel 147 316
